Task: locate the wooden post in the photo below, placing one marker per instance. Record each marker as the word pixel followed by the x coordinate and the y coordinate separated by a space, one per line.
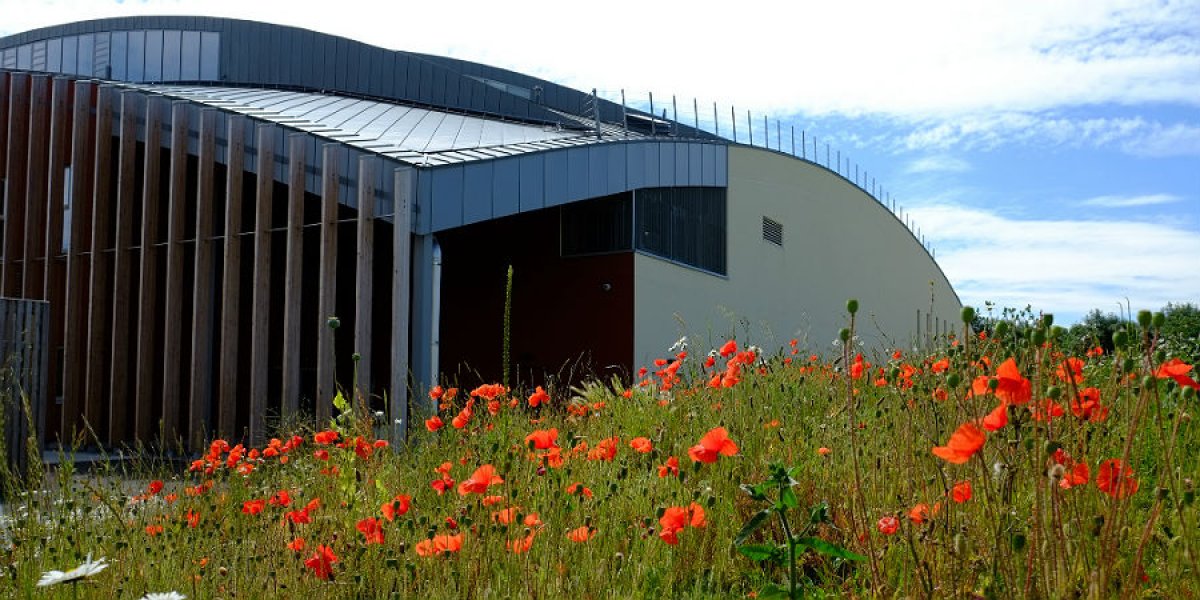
pixel 34 272
pixel 60 140
pixel 75 342
pixel 200 398
pixel 5 84
pixel 231 277
pixel 401 292
pixel 260 312
pixel 327 300
pixel 290 402
pixel 173 301
pixel 148 354
pixel 15 198
pixel 363 283
pixel 99 298
pixel 119 397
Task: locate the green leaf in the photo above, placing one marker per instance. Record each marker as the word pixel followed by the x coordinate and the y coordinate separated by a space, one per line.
pixel 339 402
pixel 752 525
pixel 760 552
pixel 820 513
pixel 788 498
pixel 829 549
pixel 754 491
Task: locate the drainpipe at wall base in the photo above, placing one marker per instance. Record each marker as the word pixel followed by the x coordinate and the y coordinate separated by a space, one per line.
pixel 435 314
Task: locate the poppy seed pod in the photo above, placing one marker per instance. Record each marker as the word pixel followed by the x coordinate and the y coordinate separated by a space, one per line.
pixel 844 334
pixel 333 322
pixel 968 314
pixel 1159 320
pixel 1001 329
pixel 852 306
pixel 953 380
pixel 1145 318
pixel 1047 320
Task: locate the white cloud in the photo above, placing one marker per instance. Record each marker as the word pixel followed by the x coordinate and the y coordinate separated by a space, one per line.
pixel 1133 135
pixel 1061 266
pixel 916 59
pixel 937 164
pixel 1130 201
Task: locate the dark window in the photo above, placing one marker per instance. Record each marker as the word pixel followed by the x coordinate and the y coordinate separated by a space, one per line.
pixel 597 226
pixel 686 225
pixel 773 231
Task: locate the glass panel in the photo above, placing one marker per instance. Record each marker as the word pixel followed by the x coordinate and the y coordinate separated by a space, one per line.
pixel 118 54
pixel 686 225
pixel 100 56
pixel 25 57
pixel 137 56
pixel 39 56
pixel 189 56
pixel 8 58
pixel 597 226
pixel 70 55
pixel 86 56
pixel 210 56
pixel 154 50
pixel 54 55
pixel 170 54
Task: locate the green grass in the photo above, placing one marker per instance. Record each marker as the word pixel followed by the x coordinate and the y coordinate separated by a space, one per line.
pixel 1020 535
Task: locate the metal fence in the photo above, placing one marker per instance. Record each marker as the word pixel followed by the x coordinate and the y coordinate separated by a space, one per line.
pixel 24 340
pixel 762 131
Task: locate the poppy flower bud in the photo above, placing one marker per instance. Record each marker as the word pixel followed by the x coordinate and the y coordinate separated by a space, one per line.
pixel 1163 493
pixel 852 306
pixel 333 322
pixel 968 314
pixel 953 380
pixel 1018 542
pixel 1097 525
pixel 1189 492
pixel 844 334
pixel 1159 320
pixel 1120 338
pixel 1052 447
pixel 356 357
pixel 1189 393
pixel 1145 319
pixel 1054 392
pixel 993 384
pixel 1128 365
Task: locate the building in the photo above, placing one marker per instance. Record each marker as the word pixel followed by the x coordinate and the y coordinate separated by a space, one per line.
pixel 195 197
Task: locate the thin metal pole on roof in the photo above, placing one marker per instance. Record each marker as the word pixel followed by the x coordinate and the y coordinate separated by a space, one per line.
pixel 803 145
pixel 766 133
pixel 838 170
pixel 793 140
pixel 816 156
pixel 596 111
pixel 872 186
pixel 624 115
pixel 856 174
pixel 695 116
pixel 733 119
pixel 778 136
pixel 750 126
pixel 674 109
pixel 716 121
pixel 826 155
pixel 653 117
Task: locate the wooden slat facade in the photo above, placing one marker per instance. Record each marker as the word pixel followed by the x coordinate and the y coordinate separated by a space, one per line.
pixel 182 300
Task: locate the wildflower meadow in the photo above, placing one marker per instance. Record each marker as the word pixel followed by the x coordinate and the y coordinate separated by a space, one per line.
pixel 1003 463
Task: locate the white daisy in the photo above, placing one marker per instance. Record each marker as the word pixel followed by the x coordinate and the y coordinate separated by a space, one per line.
pixel 87 569
pixel 164 596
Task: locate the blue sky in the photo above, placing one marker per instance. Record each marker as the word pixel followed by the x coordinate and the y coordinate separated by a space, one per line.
pixel 1048 151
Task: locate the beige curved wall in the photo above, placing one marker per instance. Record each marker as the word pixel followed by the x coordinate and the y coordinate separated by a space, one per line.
pixel 838 243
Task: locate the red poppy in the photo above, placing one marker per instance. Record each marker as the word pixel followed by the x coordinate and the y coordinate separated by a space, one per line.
pixel 1075 476
pixel 641 445
pixel 520 545
pixel 506 516
pixel 919 513
pixel 580 489
pixel 439 544
pixel 1071 370
pixel 728 348
pixel 539 397
pixel 532 520
pixel 325 437
pixel 671 467
pixel 370 529
pixel 581 534
pixel 888 525
pixel 436 393
pixel 153 530
pixel 1047 410
pixel 296 545
pixel 321 454
pixel 280 498
pixel 479 481
pixel 823 451
pixel 154 488
pixel 434 423
pixel 1115 479
pixel 673 520
pixel 940 365
pixel 193 518
pixel 963 444
pixel 543 439
pixel 253 507
pixel 714 443
pixel 1178 370
pixel 996 419
pixel 489 391
pixel 605 449
pixel 462 418
pixel 1087 406
pixel 397 507
pixel 696 516
pixel 491 500
pixel 321 562
pixel 961 492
